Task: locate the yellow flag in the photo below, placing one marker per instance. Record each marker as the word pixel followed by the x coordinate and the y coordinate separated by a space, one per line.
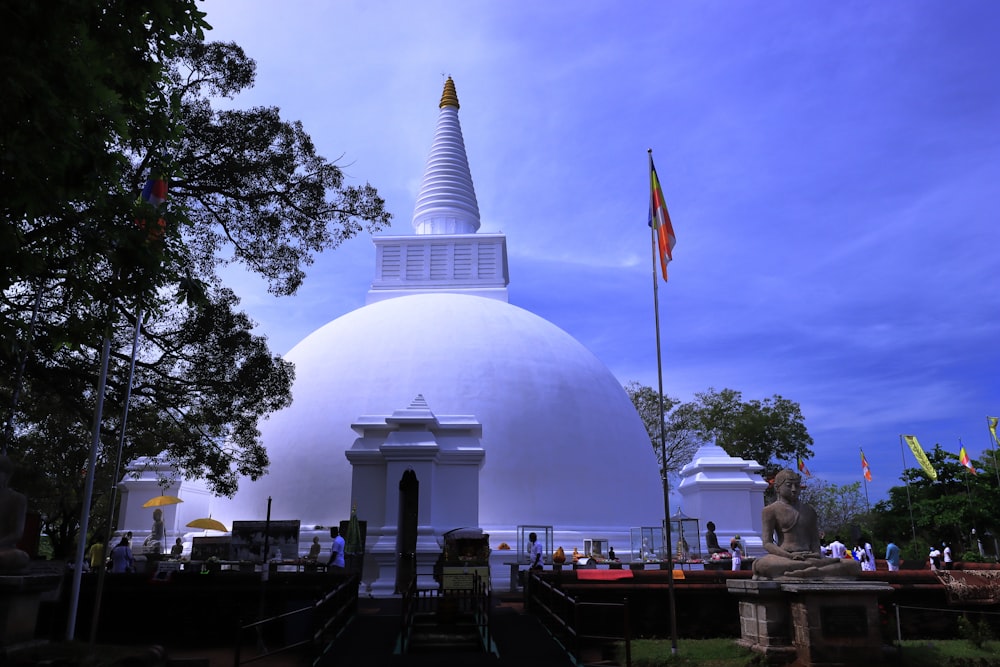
pixel 993 428
pixel 920 455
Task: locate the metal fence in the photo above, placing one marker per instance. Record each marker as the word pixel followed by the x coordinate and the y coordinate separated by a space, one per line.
pixel 325 619
pixel 576 623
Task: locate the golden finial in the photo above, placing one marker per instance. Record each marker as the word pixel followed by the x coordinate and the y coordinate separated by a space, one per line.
pixel 449 98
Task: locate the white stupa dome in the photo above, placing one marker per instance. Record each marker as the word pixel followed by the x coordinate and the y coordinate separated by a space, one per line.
pixel 564 445
pixel 505 421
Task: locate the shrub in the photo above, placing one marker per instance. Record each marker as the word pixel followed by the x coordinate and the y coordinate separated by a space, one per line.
pixel 976 633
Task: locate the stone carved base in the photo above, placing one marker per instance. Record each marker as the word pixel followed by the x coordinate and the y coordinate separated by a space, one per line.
pixel 20 598
pixel 819 623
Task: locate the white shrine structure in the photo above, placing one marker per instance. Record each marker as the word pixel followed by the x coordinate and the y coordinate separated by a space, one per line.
pixel 505 420
pixel 728 491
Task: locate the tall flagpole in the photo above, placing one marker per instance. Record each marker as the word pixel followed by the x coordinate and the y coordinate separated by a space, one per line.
pixel 663 432
pixel 112 496
pixel 88 490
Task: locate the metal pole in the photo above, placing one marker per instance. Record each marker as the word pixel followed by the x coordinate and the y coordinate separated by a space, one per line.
pixel 88 491
pixel 663 436
pixel 113 493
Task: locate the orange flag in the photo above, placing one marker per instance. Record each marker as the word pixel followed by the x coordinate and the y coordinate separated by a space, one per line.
pixel 659 219
pixel 864 467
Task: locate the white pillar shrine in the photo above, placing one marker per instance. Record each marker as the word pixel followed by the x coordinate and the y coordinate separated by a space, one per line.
pixel 728 491
pixel 445 453
pixel 146 478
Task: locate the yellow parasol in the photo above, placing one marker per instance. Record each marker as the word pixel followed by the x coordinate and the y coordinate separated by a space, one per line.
pixel 208 523
pixel 160 501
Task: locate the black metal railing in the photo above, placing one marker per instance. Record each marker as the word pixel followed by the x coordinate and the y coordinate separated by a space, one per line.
pixel 574 623
pixel 327 617
pixel 472 600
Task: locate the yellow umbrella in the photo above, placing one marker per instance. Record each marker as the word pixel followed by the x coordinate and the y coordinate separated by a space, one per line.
pixel 159 501
pixel 208 523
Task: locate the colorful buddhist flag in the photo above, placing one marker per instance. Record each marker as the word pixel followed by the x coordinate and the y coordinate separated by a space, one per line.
pixel 802 467
pixel 864 467
pixel 964 459
pixel 659 219
pixel 155 191
pixel 920 455
pixel 993 428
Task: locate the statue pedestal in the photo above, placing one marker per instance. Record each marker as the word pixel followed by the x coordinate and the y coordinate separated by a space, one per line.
pixel 20 598
pixel 827 623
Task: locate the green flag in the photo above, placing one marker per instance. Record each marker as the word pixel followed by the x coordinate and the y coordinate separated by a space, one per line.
pixel 920 455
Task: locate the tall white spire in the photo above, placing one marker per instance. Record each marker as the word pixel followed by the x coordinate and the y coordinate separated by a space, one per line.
pixel 445 254
pixel 447 200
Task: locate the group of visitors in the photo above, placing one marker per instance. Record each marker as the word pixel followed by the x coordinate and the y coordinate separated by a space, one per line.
pixel 862 552
pixel 940 559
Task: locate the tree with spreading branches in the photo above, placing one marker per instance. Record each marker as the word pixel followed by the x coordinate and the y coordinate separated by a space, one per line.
pixel 87 257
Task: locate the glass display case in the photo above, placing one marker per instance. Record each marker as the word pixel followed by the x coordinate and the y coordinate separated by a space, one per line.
pixel 595 547
pixel 686 540
pixel 647 544
pixel 545 538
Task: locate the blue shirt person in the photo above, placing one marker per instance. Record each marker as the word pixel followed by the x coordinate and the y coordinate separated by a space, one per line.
pixel 892 556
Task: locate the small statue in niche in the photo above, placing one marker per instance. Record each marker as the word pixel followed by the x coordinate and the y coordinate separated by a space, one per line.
pixel 158 534
pixel 711 539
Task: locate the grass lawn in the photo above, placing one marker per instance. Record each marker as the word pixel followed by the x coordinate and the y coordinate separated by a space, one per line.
pixel 725 653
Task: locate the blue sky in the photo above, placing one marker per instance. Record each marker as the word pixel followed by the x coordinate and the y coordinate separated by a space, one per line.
pixel 831 170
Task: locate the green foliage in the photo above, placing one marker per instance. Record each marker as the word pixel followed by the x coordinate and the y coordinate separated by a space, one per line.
pixel 726 653
pixel 976 632
pixel 945 510
pixel 679 441
pixel 839 508
pixel 690 653
pixel 771 432
pixel 99 95
pixel 950 653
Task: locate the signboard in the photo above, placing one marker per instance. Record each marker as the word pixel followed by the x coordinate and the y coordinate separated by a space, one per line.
pixel 248 540
pixel 203 548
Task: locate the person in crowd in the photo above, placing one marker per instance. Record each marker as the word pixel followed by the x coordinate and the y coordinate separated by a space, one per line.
pixel 837 548
pixel 865 555
pixel 314 549
pixel 736 549
pixel 534 552
pixel 336 562
pixel 946 558
pixel 892 556
pixel 934 557
pixel 177 549
pixel 121 558
pixel 95 555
